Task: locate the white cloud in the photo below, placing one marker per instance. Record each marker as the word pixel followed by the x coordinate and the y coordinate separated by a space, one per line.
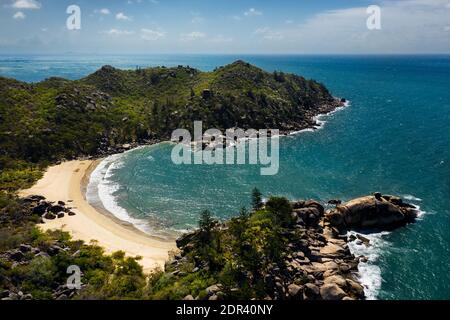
pixel 252 12
pixel 269 34
pixel 195 35
pixel 122 16
pixel 152 35
pixel 408 26
pixel 221 39
pixel 19 15
pixel 118 32
pixel 26 4
pixel 104 11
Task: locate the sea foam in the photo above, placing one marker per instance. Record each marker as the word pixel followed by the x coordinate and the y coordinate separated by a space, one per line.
pixel 101 191
pixel 321 119
pixel 369 272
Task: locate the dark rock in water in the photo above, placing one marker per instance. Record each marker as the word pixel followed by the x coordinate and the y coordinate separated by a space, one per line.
pixel 71 213
pixel 61 203
pixel 363 239
pixel 372 212
pixel 60 215
pixel 335 202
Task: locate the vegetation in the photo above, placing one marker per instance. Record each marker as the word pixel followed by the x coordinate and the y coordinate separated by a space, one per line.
pixel 256 199
pixel 59 119
pixel 237 255
pixel 42 268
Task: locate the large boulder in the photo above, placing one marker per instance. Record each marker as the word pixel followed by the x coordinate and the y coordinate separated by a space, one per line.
pixel 185 239
pixel 331 291
pixel 295 292
pixel 370 212
pixel 56 209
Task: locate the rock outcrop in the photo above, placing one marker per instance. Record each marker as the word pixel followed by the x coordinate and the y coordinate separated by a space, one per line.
pixel 378 211
pixel 47 210
pixel 318 264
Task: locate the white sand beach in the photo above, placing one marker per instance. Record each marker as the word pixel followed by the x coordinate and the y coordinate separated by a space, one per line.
pixel 66 182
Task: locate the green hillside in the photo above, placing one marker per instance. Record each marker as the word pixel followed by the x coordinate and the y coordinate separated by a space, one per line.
pixel 58 119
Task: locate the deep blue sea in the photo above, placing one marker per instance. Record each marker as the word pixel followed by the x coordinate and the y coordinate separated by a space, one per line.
pixel 394 138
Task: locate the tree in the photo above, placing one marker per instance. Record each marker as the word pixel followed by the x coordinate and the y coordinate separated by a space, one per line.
pixel 256 199
pixel 282 209
pixel 206 222
pixel 209 241
pixel 243 213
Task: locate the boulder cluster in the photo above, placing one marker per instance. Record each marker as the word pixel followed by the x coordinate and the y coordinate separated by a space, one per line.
pixel 96 100
pixel 22 256
pixel 47 210
pixel 107 149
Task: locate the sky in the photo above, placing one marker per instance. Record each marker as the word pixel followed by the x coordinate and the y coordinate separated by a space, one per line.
pixel 225 26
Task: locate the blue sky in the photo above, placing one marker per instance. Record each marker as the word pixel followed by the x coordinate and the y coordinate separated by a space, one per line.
pixel 225 26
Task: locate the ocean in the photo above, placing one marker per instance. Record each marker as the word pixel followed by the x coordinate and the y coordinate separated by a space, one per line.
pixel 393 138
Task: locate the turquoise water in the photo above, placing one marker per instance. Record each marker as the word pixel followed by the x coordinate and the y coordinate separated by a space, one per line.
pixel 394 138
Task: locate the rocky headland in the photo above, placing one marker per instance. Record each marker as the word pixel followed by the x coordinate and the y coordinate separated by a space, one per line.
pixel 316 261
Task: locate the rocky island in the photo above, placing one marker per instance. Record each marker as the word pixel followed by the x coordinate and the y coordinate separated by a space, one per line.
pixel 277 250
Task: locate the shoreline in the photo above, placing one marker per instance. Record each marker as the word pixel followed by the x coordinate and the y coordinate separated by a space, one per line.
pixel 67 182
pixel 316 124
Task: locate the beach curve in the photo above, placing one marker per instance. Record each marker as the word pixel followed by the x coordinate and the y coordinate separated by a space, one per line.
pixel 66 182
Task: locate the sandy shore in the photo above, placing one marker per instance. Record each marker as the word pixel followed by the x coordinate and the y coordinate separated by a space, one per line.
pixel 66 182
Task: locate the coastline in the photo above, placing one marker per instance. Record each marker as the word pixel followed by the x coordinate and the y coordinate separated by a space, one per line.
pixel 67 182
